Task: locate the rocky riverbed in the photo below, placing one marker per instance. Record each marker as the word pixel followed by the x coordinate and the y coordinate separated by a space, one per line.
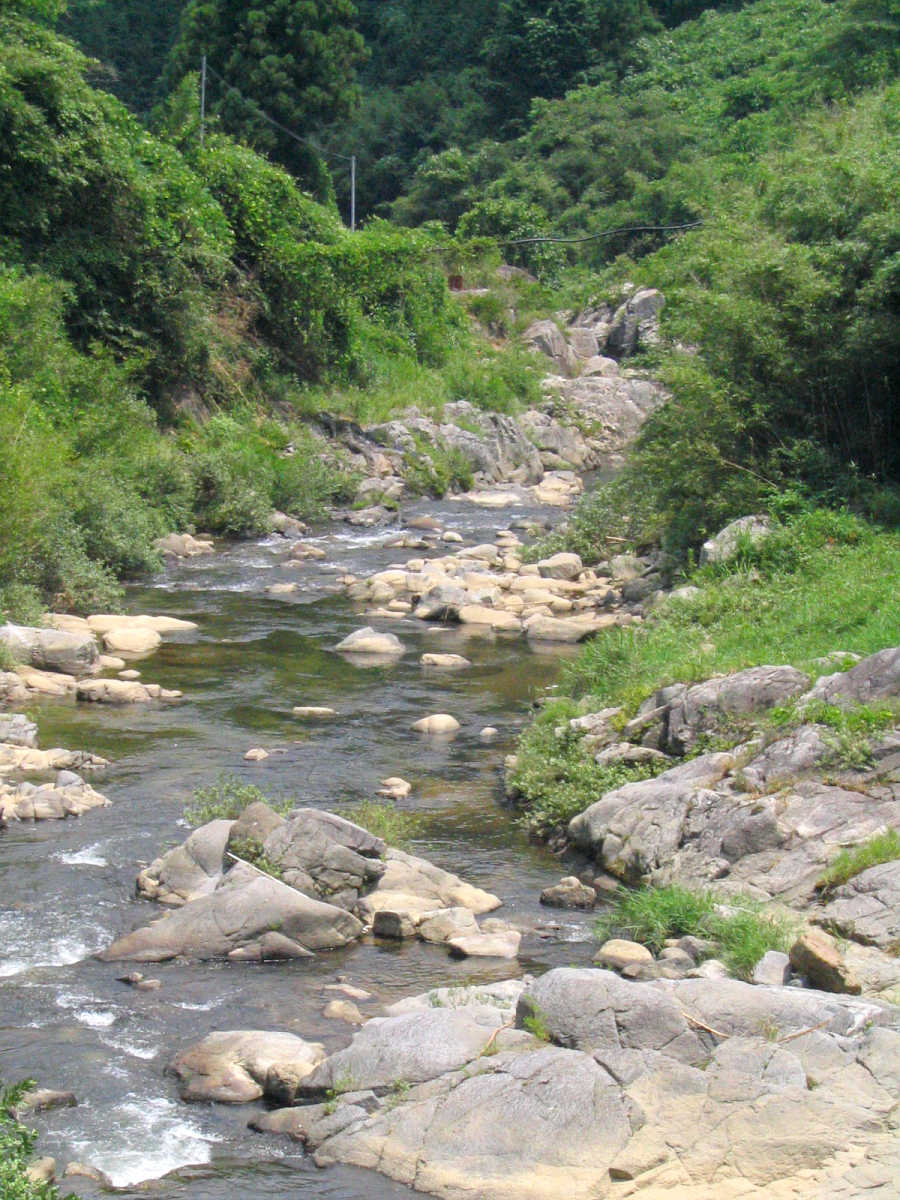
pixel 280 991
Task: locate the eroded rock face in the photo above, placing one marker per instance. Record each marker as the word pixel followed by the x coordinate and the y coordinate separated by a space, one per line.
pixel 875 678
pixel 634 1093
pixel 867 908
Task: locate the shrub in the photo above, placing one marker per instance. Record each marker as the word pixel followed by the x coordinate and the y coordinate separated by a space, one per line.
pixel 395 826
pixel 16 1147
pixel 739 928
pixel 226 799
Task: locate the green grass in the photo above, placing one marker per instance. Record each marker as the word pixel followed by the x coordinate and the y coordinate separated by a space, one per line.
pixel 555 779
pixel 882 848
pixel 824 581
pixel 226 799
pixel 739 928
pixel 393 825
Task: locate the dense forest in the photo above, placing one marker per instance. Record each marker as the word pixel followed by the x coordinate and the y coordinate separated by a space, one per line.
pixel 174 302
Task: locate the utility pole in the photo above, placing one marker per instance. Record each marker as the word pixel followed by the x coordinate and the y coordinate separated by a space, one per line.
pixel 352 193
pixel 203 101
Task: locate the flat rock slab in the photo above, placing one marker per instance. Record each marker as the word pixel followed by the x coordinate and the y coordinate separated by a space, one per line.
pixel 413 1047
pixel 237 1066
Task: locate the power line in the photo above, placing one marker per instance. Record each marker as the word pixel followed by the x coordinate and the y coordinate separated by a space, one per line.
pixel 594 237
pixel 307 142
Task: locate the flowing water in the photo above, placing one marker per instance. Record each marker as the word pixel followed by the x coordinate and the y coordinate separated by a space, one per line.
pixel 68 887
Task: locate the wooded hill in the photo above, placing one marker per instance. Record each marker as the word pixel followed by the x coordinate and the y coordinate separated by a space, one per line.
pixel 170 310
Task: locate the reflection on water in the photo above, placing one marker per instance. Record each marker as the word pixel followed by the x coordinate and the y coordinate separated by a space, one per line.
pixel 68 1020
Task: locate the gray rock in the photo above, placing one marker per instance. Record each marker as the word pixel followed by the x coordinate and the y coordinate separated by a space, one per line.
pixel 773 969
pixel 570 892
pixel 413 1047
pixel 17 730
pixel 442 603
pixel 816 956
pixel 52 650
pixel 725 544
pixel 237 1066
pixel 875 678
pixel 366 641
pixel 635 830
pixel 415 886
pixel 243 908
pixel 195 868
pixel 635 323
pixel 867 907
pixel 703 707
pixel 545 337
pixel 446 923
pixel 395 925
pixel 339 859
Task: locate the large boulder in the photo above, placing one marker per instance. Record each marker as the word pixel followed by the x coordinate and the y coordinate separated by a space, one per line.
pixel 193 869
pixel 706 707
pixel 412 1047
pixel 875 678
pixel 52 650
pixel 234 918
pixel 415 886
pixel 325 855
pixel 237 1066
pixel 634 830
pixel 635 323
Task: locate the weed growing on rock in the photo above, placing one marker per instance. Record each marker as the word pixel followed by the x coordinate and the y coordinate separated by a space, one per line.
pixel 393 825
pixel 226 799
pixel 882 848
pixel 740 931
pixel 536 1023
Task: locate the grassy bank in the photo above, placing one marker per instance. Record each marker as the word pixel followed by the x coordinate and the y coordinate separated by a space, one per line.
pixel 823 581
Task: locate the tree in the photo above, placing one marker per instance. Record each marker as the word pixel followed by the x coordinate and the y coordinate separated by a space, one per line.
pixel 131 39
pixel 294 59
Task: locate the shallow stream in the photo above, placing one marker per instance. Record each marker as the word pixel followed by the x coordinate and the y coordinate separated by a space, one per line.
pixel 68 886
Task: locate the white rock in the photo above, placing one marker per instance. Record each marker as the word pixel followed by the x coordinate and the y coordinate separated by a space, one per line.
pixel 437 723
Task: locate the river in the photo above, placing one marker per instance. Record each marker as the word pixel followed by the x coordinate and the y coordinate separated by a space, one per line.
pixel 68 887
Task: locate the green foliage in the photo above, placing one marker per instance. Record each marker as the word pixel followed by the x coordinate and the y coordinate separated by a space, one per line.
pixel 226 799
pixel 250 851
pixel 882 848
pixel 825 583
pixel 555 778
pixel 131 40
pixel 535 1022
pixel 293 59
pixel 512 220
pixel 395 826
pixel 435 470
pixel 16 1147
pixel 739 929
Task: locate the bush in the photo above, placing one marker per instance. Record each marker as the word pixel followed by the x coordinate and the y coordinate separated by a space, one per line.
pixel 739 928
pixel 555 779
pixel 395 826
pixel 16 1147
pixel 226 799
